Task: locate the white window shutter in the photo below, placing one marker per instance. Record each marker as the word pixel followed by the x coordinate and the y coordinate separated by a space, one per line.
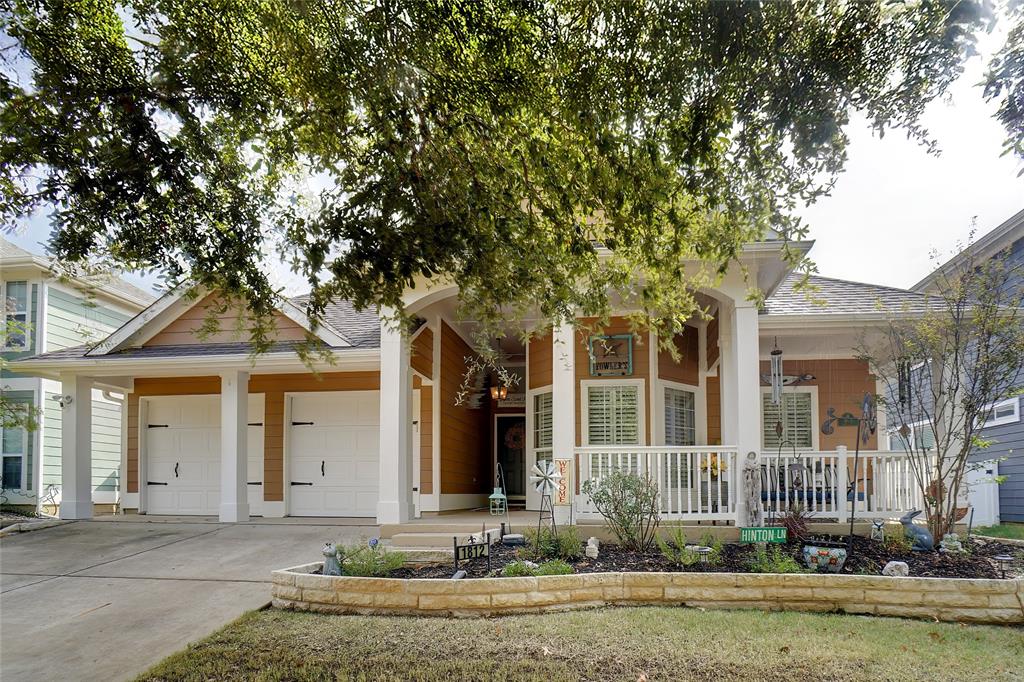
pixel 797 421
pixel 613 415
pixel 680 417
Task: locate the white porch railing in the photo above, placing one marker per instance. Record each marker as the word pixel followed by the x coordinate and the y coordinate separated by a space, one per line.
pixel 703 482
pixel 697 483
pixel 820 482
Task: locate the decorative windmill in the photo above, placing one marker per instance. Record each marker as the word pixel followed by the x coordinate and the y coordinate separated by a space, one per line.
pixel 545 478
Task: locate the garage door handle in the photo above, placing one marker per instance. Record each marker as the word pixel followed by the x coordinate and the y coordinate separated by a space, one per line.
pixel 302 483
pixel 302 423
pixel 322 467
pixel 255 482
pixel 176 469
pixel 255 423
pixel 157 426
pixel 156 482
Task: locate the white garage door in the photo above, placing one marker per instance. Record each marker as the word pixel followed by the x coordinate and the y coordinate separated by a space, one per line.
pixel 334 453
pixel 183 455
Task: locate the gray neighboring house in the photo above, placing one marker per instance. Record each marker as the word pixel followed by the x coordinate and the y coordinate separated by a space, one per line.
pixel 1005 426
pixel 57 315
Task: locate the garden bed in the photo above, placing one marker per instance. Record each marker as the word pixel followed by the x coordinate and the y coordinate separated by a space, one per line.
pixel 868 558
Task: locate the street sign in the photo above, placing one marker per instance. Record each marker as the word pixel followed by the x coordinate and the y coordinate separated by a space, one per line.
pixel 763 534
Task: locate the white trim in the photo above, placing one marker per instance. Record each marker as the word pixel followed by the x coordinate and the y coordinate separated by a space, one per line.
pixel 435 410
pixel 585 385
pixel 815 416
pixel 1013 418
pixel 29 330
pixel 532 498
pixel 697 408
pixel 653 389
pixel 286 449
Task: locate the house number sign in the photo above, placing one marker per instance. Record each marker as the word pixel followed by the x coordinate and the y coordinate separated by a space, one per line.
pixel 611 356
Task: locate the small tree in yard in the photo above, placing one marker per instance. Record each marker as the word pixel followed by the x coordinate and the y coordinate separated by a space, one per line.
pixel 945 366
pixel 629 505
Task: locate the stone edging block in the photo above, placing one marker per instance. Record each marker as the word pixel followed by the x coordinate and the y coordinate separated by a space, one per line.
pixel 949 599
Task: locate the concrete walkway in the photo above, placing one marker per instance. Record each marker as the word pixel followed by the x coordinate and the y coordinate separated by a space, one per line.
pixel 106 599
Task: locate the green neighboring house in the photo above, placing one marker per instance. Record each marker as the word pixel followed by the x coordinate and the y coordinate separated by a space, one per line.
pixel 58 315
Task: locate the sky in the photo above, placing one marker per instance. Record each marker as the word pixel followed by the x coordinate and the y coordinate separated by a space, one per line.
pixel 892 206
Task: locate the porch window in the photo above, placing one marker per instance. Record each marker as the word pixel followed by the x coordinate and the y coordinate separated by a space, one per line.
pixel 13 442
pixel 680 417
pixel 921 434
pixel 613 414
pixel 15 314
pixel 796 412
pixel 542 427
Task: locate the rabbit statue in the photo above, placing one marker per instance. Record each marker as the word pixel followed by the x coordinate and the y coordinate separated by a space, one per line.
pixel 920 537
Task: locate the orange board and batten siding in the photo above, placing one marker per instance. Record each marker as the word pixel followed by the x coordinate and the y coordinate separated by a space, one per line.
pixel 426 440
pixel 233 322
pixel 841 384
pixel 422 353
pixel 273 386
pixel 539 370
pixel 641 369
pixel 686 368
pixel 465 465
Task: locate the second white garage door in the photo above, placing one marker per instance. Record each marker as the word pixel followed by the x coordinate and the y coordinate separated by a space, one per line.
pixel 334 453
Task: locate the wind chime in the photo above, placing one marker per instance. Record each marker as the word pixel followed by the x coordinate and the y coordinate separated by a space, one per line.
pixel 545 478
pixel 776 373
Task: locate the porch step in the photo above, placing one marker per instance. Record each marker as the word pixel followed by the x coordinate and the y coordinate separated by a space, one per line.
pixel 435 540
pixel 390 530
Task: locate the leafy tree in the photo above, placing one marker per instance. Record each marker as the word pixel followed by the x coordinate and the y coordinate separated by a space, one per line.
pixel 548 156
pixel 946 366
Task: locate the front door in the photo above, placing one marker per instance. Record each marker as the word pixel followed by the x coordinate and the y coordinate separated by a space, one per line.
pixel 510 453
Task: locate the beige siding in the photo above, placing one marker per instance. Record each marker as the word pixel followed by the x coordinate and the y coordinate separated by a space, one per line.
pixel 234 325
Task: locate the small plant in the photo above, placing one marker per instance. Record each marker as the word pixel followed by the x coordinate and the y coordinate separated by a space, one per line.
pixel 518 569
pixel 565 544
pixel 553 567
pixel 675 550
pixel 773 561
pixel 896 540
pixel 629 505
pixel 369 560
pixel 795 522
pixel 709 540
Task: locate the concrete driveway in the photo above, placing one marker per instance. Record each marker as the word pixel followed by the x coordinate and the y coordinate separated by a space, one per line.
pixel 106 599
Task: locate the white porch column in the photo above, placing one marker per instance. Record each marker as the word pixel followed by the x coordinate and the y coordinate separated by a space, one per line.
pixel 727 374
pixel 234 444
pixel 76 448
pixel 563 409
pixel 394 503
pixel 746 385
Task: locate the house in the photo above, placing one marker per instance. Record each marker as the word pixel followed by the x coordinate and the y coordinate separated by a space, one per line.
pixel 379 432
pixel 1004 426
pixel 55 315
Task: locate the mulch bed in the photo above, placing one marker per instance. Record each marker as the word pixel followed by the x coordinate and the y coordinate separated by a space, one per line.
pixel 868 558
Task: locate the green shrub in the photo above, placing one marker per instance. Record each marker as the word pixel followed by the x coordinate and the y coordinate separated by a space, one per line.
pixel 773 561
pixel 675 550
pixel 709 540
pixel 369 560
pixel 554 567
pixel 565 544
pixel 518 569
pixel 896 540
pixel 629 505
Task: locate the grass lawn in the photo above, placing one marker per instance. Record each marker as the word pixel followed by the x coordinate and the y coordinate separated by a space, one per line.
pixel 1014 531
pixel 602 644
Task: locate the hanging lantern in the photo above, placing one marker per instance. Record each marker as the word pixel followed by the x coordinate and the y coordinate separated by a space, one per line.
pixel 499 392
pixel 776 369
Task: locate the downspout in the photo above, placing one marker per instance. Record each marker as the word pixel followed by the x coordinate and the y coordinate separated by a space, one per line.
pixel 124 444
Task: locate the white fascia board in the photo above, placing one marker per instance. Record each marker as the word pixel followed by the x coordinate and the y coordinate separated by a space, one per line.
pixel 323 332
pixel 269 363
pixel 133 332
pixel 812 322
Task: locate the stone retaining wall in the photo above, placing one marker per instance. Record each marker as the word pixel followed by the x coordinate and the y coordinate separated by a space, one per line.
pixel 978 601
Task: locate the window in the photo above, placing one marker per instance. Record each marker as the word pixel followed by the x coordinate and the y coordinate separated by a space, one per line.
pixel 15 314
pixel 613 413
pixel 1004 412
pixel 541 443
pixel 680 417
pixel 13 443
pixel 796 412
pixel 921 435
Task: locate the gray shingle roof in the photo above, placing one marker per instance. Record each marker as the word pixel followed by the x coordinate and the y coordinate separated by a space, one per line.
pixel 841 297
pixel 158 352
pixel 360 327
